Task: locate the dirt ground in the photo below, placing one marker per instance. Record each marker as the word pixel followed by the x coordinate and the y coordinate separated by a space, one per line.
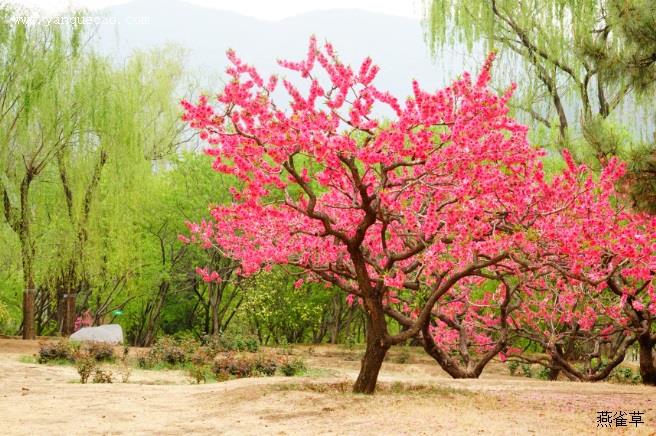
pixel 416 398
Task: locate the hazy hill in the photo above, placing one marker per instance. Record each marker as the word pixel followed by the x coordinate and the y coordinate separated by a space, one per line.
pixel 395 43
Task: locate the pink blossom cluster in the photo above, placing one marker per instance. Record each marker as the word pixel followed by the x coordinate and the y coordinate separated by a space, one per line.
pixel 447 192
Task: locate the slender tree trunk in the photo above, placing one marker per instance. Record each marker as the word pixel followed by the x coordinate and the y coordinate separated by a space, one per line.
pixel 647 365
pixel 27 252
pixel 69 313
pixel 61 307
pixel 28 311
pixel 152 323
pixel 447 364
pixel 214 301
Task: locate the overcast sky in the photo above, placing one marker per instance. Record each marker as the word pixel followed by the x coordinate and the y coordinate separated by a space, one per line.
pixel 262 9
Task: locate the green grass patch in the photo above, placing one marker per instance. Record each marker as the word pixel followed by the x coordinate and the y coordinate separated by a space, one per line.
pixel 28 359
pixel 320 372
pixel 57 362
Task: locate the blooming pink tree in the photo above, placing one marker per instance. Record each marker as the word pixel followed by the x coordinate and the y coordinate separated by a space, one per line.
pixel 577 325
pixel 415 204
pixel 593 288
pixel 481 317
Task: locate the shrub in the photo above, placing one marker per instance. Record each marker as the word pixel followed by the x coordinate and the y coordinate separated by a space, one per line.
pixel 174 355
pixel 201 356
pixel 125 370
pixel 544 373
pixel 251 344
pixel 101 351
pixel 285 349
pixel 103 376
pixel 188 344
pixel 291 367
pixel 234 365
pixel 526 370
pixel 212 344
pixel 144 361
pixel 512 367
pixel 166 350
pixel 266 365
pixel 63 349
pixel 85 365
pixel 624 375
pixel 229 342
pixel 5 316
pixel 199 373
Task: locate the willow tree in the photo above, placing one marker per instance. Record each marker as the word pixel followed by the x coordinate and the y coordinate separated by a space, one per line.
pixel 80 137
pixel 129 120
pixel 581 60
pixel 37 119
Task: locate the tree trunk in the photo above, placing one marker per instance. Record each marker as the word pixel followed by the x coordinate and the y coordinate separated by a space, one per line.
pixel 152 322
pixel 647 366
pixel 28 312
pixel 449 365
pixel 553 373
pixel 68 325
pixel 214 301
pixel 375 351
pixel 27 252
pixel 554 370
pixel 370 366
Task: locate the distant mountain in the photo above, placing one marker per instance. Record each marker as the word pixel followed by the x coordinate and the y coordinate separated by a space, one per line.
pixel 396 44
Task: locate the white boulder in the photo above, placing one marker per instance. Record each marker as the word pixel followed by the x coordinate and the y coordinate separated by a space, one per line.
pixel 110 333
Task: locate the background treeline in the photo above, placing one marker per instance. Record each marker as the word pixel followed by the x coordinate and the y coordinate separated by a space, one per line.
pixel 98 176
pixel 97 179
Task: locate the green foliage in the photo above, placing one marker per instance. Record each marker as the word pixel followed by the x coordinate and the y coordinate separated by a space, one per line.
pixel 231 342
pixel 199 373
pixel 94 133
pixel 166 350
pixel 623 374
pixel 526 370
pixel 586 72
pixel 281 312
pixel 293 366
pixel 5 316
pixel 513 365
pixel 544 373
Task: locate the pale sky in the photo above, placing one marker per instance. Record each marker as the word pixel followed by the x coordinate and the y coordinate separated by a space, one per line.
pixel 262 9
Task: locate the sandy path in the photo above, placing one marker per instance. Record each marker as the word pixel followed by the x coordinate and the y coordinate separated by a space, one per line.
pixel 41 399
